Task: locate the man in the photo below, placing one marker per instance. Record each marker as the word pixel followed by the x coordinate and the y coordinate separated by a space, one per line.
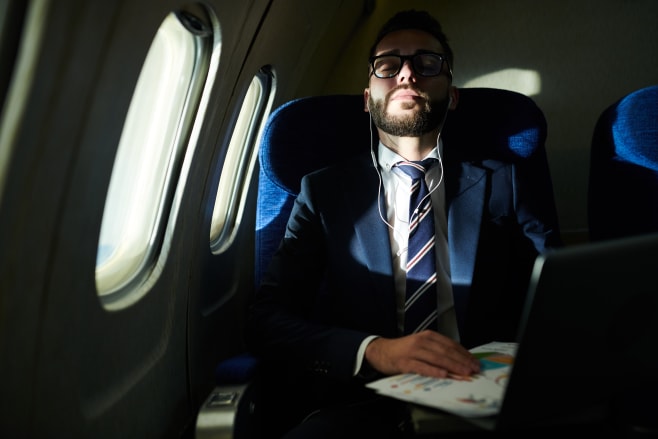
pixel 330 314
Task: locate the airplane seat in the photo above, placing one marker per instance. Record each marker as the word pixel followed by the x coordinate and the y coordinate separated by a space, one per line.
pixel 623 174
pixel 312 132
pixel 623 202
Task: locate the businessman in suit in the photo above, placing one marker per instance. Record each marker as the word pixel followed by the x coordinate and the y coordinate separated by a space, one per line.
pixel 330 312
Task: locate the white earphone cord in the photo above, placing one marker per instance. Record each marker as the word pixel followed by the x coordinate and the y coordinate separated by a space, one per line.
pixel 376 165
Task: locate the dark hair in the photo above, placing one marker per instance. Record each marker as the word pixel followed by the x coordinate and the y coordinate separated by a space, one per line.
pixel 417 20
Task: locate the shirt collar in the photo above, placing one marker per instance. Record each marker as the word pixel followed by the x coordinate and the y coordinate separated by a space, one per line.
pixel 387 158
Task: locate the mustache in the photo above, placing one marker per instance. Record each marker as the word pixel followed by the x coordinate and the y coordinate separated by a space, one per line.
pixel 410 87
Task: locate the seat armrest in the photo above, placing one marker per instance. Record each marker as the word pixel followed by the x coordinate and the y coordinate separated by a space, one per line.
pixel 219 415
pixel 228 410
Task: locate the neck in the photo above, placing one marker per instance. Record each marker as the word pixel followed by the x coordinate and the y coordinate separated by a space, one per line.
pixel 411 148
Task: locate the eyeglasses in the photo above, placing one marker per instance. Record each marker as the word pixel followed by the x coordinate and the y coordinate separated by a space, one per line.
pixel 423 64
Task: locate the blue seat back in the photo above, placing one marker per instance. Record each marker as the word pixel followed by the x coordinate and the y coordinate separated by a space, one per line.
pixel 312 132
pixel 301 136
pixel 623 174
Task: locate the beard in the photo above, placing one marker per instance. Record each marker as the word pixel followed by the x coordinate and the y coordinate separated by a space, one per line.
pixel 427 118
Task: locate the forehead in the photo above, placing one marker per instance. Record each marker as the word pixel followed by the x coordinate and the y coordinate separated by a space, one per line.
pixel 408 41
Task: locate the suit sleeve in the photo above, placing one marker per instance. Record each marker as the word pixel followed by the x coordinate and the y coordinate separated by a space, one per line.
pixel 285 322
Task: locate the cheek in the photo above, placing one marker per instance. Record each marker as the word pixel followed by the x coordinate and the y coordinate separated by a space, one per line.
pixel 378 91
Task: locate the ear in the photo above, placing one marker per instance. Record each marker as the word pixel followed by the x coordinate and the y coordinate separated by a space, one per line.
pixel 366 96
pixel 454 97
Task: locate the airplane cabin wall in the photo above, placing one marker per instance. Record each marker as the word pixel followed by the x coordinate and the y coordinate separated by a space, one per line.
pixel 71 368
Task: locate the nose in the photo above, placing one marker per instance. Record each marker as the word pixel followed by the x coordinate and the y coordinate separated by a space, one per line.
pixel 406 72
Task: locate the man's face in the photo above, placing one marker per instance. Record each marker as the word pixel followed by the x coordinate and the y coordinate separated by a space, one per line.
pixel 408 104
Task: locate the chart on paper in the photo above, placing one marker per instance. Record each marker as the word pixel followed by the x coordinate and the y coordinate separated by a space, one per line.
pixel 474 396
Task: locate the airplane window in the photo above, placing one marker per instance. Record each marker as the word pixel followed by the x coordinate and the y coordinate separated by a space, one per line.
pixel 240 160
pixel 149 158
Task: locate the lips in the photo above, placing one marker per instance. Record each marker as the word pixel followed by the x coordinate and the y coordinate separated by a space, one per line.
pixel 405 94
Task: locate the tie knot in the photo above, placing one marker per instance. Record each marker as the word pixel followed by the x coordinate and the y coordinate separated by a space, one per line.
pixel 415 169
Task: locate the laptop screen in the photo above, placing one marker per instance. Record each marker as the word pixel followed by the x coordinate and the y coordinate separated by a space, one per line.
pixel 588 342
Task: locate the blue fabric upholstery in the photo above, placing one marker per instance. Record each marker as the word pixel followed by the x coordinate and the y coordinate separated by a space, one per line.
pixel 623 179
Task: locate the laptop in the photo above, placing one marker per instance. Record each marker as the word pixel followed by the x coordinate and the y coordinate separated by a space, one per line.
pixel 588 341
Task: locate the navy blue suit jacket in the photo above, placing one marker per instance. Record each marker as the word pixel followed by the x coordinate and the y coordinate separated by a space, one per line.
pixel 330 284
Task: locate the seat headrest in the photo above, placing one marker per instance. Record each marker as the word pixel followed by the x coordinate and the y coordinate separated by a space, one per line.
pixel 494 123
pixel 313 132
pixel 633 121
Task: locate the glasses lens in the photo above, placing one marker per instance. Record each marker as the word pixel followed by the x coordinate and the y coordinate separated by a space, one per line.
pixel 428 64
pixel 424 64
pixel 386 66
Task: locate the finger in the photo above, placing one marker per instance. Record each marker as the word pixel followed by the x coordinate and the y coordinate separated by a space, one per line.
pixel 440 351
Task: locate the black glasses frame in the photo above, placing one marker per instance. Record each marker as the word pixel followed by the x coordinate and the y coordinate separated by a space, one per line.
pixel 413 58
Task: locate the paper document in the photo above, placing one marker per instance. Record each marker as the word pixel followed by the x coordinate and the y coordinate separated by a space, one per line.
pixel 474 396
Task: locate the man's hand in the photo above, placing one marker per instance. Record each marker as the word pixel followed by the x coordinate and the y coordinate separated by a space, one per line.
pixel 426 353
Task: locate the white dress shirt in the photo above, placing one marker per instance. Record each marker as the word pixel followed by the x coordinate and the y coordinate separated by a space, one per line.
pixel 396 185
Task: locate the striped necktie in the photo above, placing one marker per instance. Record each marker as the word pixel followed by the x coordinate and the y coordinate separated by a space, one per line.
pixel 420 309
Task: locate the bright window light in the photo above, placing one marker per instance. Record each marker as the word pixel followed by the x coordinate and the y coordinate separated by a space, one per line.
pixel 149 156
pixel 240 161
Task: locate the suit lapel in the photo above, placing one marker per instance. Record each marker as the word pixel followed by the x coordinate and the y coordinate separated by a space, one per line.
pixel 465 198
pixel 372 243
